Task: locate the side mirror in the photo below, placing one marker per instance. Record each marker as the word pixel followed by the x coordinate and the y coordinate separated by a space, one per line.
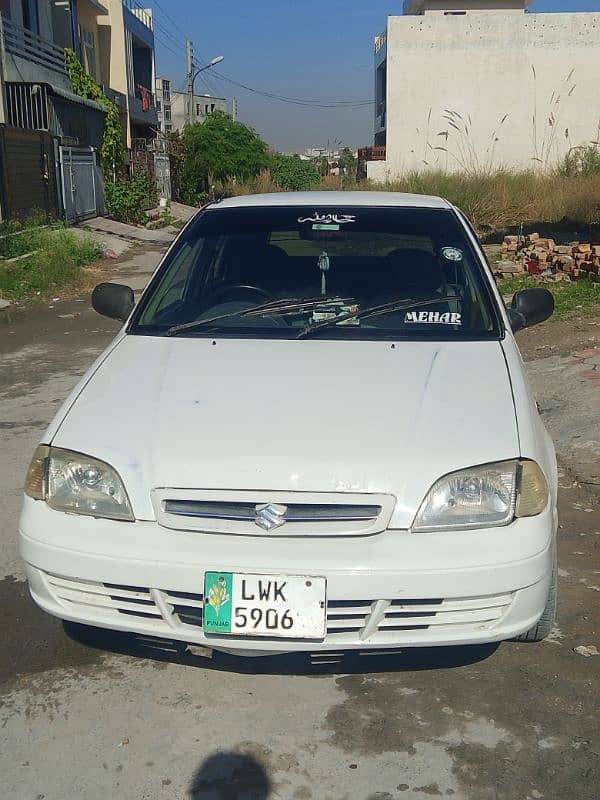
pixel 113 300
pixel 530 307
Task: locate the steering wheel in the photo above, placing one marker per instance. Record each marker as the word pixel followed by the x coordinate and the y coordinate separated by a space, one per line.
pixel 231 288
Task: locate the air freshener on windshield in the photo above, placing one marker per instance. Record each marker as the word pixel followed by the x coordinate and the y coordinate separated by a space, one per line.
pixel 452 253
pixel 324 267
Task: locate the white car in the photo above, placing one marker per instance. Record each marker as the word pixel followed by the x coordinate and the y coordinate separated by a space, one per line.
pixel 314 432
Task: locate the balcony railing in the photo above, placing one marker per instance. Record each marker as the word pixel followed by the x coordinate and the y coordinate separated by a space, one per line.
pixel 140 112
pixel 376 153
pixel 380 41
pixel 27 106
pixel 32 48
pixel 141 93
pixel 141 13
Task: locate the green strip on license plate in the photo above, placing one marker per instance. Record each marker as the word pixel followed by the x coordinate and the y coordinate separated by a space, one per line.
pixel 218 589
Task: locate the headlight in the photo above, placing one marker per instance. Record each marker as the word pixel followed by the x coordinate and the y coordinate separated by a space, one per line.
pixel 484 497
pixel 76 483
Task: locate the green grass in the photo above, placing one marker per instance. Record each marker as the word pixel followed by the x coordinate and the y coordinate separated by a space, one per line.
pixel 575 298
pixel 57 256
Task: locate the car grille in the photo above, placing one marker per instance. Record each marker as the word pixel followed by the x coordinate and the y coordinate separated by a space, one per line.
pixel 373 621
pixel 295 512
pixel 284 514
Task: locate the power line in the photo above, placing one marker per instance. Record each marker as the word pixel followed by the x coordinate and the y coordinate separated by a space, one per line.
pixel 167 39
pixel 170 19
pixel 167 46
pixel 300 101
pixel 164 31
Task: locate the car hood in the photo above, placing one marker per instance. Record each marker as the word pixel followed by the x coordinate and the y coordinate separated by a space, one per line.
pixel 319 416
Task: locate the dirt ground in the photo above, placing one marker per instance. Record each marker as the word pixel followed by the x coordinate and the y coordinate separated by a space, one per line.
pixel 91 714
pixel 560 337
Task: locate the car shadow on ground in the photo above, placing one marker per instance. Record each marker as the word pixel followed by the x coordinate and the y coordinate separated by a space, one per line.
pixel 318 663
pixel 230 776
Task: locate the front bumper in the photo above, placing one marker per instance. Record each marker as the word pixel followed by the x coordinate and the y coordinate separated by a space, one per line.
pixel 395 589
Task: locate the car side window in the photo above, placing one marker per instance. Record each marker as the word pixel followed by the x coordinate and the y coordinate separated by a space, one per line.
pixel 172 288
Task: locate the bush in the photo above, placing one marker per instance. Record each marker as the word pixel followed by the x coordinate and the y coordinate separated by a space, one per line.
pixel 293 174
pixel 127 199
pixel 222 149
pixel 581 162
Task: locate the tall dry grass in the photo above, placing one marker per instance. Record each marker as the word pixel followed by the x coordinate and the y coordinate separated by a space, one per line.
pixel 504 199
pixel 494 200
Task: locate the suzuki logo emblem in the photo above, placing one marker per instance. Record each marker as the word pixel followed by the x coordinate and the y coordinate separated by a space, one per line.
pixel 270 516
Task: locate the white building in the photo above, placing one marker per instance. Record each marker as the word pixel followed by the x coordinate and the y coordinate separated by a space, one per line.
pixel 173 110
pixel 482 84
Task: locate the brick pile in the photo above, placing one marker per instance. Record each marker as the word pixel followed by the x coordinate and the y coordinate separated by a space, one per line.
pixel 551 261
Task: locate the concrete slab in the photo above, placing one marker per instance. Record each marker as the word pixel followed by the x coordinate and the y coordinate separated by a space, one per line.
pixel 108 241
pixel 130 232
pixel 181 211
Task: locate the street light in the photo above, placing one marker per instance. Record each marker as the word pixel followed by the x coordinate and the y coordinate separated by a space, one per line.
pixel 193 76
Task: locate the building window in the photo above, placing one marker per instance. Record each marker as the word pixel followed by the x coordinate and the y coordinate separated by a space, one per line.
pixel 89 53
pixel 158 106
pixel 166 90
pixel 31 19
pixel 198 110
pixel 167 113
pixel 168 127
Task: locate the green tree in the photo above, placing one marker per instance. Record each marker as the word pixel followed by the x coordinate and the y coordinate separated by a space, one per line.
pixel 222 149
pixel 294 174
pixel 346 161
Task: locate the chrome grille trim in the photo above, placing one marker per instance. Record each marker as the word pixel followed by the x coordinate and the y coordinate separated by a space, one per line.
pixel 244 512
pixel 296 512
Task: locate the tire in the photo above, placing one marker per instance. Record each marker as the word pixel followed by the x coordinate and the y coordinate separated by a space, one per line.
pixel 548 619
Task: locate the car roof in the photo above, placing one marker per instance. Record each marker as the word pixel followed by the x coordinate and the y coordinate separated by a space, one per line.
pixel 332 200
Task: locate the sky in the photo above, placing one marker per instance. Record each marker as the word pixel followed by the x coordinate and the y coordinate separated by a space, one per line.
pixel 314 49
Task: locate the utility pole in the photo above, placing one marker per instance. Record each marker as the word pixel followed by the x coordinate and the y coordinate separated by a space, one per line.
pixel 190 79
pixel 234 109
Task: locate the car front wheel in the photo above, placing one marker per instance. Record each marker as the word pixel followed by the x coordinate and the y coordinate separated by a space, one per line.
pixel 548 619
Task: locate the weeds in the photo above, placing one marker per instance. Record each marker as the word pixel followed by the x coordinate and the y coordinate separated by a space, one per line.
pixel 128 198
pixel 47 259
pixel 577 297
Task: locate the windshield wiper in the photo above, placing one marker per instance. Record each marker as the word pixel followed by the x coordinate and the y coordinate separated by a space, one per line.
pixel 373 311
pixel 273 307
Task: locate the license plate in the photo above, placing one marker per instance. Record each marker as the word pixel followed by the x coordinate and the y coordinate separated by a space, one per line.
pixel 278 606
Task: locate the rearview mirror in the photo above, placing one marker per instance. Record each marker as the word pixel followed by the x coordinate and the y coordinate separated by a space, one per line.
pixel 113 300
pixel 530 307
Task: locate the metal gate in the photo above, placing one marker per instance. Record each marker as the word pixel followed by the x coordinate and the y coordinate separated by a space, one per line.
pixel 82 185
pixel 27 173
pixel 162 172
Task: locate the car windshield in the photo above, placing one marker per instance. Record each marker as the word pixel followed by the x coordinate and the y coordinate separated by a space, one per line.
pixel 293 272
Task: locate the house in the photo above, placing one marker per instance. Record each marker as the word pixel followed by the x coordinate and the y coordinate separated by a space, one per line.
pixel 172 106
pixel 37 91
pixel 474 85
pixel 126 36
pixel 49 136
